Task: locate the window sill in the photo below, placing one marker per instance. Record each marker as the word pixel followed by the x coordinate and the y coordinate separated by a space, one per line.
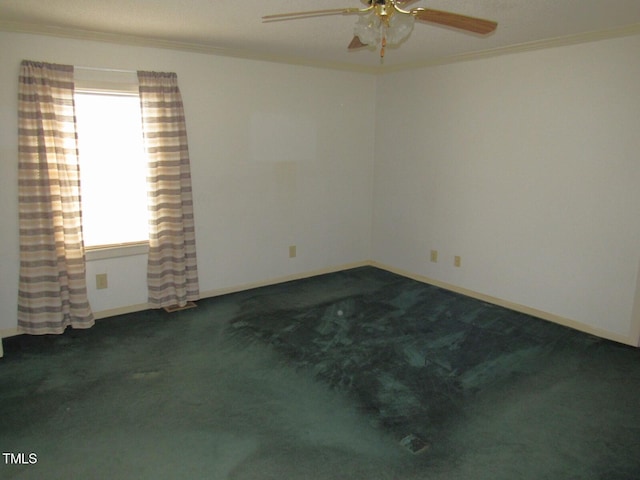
pixel 116 251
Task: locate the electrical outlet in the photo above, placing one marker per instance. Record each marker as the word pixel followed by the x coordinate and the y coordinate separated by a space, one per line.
pixel 457 261
pixel 101 281
pixel 292 251
pixel 434 256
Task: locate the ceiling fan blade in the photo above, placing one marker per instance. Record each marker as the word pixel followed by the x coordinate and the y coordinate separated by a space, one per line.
pixel 312 13
pixel 462 22
pixel 356 43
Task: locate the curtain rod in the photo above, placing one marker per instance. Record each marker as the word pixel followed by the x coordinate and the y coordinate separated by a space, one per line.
pixel 98 69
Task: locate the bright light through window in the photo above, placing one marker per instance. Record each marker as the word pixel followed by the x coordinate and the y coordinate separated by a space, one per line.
pixel 113 169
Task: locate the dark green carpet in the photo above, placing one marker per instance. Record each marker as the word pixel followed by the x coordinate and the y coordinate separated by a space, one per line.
pixel 321 379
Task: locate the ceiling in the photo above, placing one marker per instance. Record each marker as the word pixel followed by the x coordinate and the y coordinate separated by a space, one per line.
pixel 234 27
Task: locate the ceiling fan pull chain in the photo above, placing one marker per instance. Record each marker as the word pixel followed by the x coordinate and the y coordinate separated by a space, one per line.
pixel 383 46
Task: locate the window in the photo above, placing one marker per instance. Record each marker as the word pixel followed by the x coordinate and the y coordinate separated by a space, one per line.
pixel 113 167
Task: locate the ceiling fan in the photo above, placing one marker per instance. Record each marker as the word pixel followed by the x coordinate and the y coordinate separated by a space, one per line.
pixel 387 22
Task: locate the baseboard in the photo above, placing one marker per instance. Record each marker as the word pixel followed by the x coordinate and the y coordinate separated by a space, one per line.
pixel 534 312
pixel 112 312
pixel 9 332
pixel 288 278
pixel 567 322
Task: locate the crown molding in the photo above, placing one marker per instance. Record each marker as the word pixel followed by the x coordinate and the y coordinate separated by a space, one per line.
pixel 140 41
pixel 563 41
pixel 134 40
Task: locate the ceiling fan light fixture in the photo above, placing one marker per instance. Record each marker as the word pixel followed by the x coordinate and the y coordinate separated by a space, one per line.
pixel 386 22
pixel 400 27
pixel 368 29
pixel 372 29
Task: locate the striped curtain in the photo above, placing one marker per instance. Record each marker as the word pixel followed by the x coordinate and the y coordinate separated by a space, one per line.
pixel 52 290
pixel 172 273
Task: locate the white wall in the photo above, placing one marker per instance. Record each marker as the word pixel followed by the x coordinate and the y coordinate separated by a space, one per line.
pixel 525 165
pixel 528 167
pixel 249 206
